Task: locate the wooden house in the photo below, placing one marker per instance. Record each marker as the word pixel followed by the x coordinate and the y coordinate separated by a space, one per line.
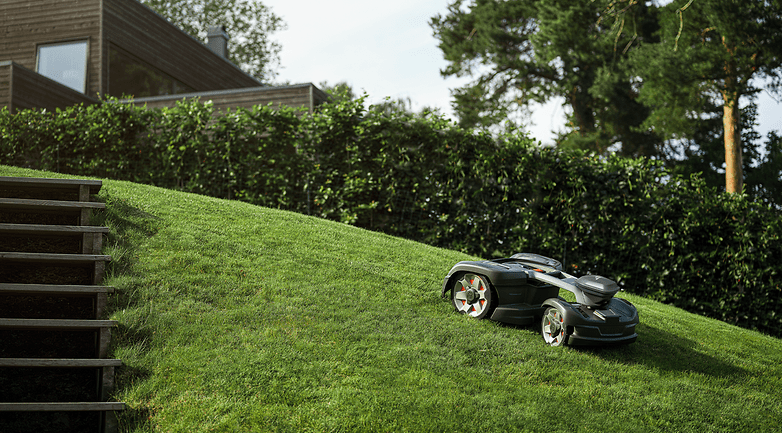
pixel 55 53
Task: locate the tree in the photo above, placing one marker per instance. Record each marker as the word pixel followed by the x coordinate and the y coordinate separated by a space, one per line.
pixel 709 53
pixel 764 182
pixel 524 51
pixel 343 92
pixel 491 40
pixel 248 22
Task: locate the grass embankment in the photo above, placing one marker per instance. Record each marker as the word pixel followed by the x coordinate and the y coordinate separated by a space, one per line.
pixel 237 318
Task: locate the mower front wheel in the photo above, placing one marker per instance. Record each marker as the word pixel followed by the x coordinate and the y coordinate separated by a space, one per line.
pixel 553 327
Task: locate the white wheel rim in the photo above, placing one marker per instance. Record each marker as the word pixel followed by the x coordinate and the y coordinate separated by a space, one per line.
pixel 469 295
pixel 553 327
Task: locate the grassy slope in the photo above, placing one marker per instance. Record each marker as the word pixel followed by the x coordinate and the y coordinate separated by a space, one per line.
pixel 239 318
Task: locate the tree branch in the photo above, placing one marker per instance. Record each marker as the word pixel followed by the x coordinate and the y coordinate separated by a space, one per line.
pixel 680 12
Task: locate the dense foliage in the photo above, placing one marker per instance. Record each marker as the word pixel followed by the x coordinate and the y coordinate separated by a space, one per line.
pixel 661 235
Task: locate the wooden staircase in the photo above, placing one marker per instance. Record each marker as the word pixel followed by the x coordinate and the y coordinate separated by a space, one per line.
pixel 54 375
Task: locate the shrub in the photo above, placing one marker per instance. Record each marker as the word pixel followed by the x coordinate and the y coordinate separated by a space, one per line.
pixel 668 237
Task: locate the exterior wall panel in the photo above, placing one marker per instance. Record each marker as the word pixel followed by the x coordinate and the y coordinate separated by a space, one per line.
pixel 31 90
pixel 5 85
pixel 299 95
pixel 145 34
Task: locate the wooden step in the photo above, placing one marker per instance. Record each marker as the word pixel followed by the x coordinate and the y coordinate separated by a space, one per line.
pixel 79 211
pixel 54 289
pixel 59 363
pixel 101 327
pixel 99 294
pixel 62 407
pixel 82 188
pixel 105 377
pixel 27 204
pixel 49 183
pixel 95 263
pixel 89 237
pixel 49 230
pixel 47 258
pixel 57 324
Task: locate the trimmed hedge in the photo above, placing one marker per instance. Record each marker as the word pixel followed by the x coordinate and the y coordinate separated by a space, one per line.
pixel 663 236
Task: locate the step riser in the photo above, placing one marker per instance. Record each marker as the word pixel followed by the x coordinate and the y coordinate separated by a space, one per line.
pixel 32 238
pixel 47 244
pixel 39 418
pixel 64 216
pixel 45 268
pixel 32 385
pixel 45 306
pixel 56 344
pixel 53 301
pixel 44 273
pixel 24 211
pixel 61 219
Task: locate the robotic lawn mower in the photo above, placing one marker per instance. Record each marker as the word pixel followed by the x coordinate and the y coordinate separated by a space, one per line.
pixel 524 289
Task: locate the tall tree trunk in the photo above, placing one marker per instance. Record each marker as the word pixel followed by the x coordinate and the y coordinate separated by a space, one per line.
pixel 734 171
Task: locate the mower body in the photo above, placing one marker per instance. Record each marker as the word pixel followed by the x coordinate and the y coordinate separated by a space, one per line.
pixel 524 289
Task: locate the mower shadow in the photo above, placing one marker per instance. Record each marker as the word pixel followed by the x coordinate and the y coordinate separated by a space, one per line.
pixel 665 351
pixel 656 349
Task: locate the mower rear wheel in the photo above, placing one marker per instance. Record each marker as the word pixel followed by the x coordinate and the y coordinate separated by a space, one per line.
pixel 472 295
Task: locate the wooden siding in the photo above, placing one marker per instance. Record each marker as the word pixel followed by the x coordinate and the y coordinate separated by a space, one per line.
pixel 30 23
pixel 145 34
pixel 5 85
pixel 299 95
pixel 27 89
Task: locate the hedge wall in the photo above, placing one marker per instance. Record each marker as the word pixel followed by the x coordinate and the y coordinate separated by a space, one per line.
pixel 662 236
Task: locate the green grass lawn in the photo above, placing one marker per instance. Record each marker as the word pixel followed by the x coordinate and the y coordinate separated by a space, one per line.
pixel 236 318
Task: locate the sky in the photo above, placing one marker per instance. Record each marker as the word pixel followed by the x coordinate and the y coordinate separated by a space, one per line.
pixel 387 49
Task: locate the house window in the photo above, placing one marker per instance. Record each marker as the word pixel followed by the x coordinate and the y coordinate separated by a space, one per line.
pixel 65 63
pixel 130 76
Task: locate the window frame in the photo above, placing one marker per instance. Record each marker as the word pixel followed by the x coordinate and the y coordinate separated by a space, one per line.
pixel 86 43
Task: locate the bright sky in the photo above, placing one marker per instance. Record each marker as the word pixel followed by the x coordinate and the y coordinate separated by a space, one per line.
pixel 387 49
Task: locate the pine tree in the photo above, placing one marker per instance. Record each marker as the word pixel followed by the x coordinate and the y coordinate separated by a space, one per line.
pixel 709 53
pixel 522 51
